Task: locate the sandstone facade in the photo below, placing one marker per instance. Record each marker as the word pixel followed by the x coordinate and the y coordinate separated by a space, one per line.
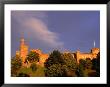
pixel 42 56
pixel 23 52
pixel 91 55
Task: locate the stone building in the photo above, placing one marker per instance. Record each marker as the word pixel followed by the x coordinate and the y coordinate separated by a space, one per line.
pixel 93 54
pixel 43 56
pixel 23 50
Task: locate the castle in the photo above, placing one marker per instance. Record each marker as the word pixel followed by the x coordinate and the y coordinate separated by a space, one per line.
pixel 93 54
pixel 24 49
pixel 42 56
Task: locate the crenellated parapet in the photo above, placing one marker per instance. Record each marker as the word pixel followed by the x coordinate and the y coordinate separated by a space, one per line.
pixel 91 55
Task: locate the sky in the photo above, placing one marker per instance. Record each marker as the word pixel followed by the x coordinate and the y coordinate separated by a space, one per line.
pixel 49 30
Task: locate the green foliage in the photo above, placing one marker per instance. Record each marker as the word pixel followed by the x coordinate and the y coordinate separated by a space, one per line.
pixel 69 61
pixel 88 63
pixel 59 64
pixel 16 64
pixel 38 73
pixel 96 64
pixel 84 67
pixel 33 57
pixel 55 70
pixel 89 67
pixel 33 67
pixel 23 75
pixel 81 67
pixel 53 64
pixel 82 62
pixel 54 58
pixel 81 70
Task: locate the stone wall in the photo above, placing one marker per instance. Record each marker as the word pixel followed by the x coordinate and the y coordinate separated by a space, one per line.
pixel 42 56
pixel 91 55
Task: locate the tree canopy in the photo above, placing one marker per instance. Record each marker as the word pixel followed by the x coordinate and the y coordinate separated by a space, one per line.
pixel 59 64
pixel 32 57
pixel 54 58
pixel 16 64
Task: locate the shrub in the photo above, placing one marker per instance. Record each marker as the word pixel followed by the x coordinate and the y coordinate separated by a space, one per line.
pixel 33 67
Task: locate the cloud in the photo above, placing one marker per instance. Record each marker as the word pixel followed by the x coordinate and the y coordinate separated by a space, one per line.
pixel 40 29
pixel 21 16
pixel 43 33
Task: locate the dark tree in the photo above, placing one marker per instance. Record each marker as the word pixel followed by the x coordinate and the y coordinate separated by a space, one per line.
pixel 23 75
pixel 16 64
pixel 33 67
pixel 33 57
pixel 70 64
pixel 59 64
pixel 55 70
pixel 53 65
pixel 83 63
pixel 96 64
pixel 54 58
pixel 88 63
pixel 69 61
pixel 81 68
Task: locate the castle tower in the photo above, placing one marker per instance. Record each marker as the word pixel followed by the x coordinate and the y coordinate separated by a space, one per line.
pixel 94 44
pixel 95 50
pixel 77 56
pixel 23 50
pixel 17 53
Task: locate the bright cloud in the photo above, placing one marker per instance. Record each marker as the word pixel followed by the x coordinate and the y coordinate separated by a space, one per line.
pixel 43 33
pixel 39 28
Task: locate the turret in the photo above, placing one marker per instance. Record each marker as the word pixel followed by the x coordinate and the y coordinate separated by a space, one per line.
pixel 95 50
pixel 77 55
pixel 23 50
pixel 22 41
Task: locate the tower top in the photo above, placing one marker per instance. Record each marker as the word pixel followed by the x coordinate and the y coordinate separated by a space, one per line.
pixel 94 43
pixel 22 41
pixel 22 35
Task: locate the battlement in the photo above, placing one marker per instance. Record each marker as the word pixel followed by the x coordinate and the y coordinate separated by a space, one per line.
pixel 95 50
pixel 91 55
pixel 23 52
pixel 37 51
pixel 42 56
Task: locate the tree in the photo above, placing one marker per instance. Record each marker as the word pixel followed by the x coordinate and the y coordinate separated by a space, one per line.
pixel 96 64
pixel 33 57
pixel 81 67
pixel 69 61
pixel 59 64
pixel 88 63
pixel 23 75
pixel 33 67
pixel 16 64
pixel 53 65
pixel 54 58
pixel 55 70
pixel 71 64
pixel 82 62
